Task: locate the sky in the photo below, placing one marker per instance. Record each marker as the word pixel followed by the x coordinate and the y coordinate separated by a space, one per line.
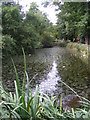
pixel 50 10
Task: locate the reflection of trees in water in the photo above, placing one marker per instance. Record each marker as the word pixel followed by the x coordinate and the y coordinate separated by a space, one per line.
pixel 75 73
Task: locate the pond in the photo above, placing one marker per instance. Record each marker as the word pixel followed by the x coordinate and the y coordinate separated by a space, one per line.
pixel 47 68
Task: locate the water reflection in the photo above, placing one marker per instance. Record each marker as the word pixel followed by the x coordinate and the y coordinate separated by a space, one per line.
pixel 49 85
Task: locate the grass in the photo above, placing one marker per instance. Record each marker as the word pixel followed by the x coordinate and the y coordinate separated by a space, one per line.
pixel 83 48
pixel 37 107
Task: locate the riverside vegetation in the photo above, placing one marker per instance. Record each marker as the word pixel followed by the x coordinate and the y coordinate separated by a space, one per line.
pixel 36 107
pixel 82 48
pixel 31 31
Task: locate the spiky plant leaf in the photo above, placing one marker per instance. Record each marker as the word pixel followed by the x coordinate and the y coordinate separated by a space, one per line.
pixel 60 106
pixel 17 81
pixel 23 101
pixel 24 80
pixel 11 96
pixel 29 104
pixel 27 89
pixel 73 112
pixel 16 89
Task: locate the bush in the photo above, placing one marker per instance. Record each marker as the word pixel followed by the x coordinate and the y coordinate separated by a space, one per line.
pixel 47 40
pixel 79 47
pixel 62 44
pixel 8 45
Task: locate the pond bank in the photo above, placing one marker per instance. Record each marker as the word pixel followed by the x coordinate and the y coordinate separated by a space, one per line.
pixel 82 49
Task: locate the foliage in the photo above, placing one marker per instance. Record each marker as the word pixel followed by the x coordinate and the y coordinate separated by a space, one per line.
pixel 79 47
pixel 37 29
pixel 9 105
pixel 63 43
pixel 30 30
pixel 8 45
pixel 73 20
pixel 12 19
pixel 50 110
pixel 15 105
pixel 47 39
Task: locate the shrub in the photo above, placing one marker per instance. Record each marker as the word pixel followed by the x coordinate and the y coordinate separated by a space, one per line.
pixel 47 40
pixel 8 45
pixel 62 44
pixel 78 47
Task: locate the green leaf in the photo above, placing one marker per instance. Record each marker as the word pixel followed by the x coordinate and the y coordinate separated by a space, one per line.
pixel 60 107
pixel 17 81
pixel 11 97
pixel 29 103
pixel 27 88
pixel 24 80
pixel 73 112
pixel 16 89
pixel 23 101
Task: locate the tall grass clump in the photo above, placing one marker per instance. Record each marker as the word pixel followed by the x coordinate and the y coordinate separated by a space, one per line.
pixel 51 110
pixel 17 105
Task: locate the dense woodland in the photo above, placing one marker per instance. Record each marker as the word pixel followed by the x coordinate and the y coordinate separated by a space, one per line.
pixel 33 30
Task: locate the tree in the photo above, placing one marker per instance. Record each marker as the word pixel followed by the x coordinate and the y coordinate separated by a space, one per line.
pixel 12 20
pixel 73 20
pixel 35 26
pixel 31 31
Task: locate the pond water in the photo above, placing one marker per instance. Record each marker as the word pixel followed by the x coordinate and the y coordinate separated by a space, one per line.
pixel 47 67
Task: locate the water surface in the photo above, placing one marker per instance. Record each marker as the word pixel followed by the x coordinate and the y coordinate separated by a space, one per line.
pixel 50 66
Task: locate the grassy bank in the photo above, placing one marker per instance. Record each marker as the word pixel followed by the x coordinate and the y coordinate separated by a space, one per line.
pixel 79 47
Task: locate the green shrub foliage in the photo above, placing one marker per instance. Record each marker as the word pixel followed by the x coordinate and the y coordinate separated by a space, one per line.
pixel 8 45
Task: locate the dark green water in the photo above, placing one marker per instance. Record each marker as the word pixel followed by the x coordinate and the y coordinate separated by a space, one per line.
pixel 50 66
